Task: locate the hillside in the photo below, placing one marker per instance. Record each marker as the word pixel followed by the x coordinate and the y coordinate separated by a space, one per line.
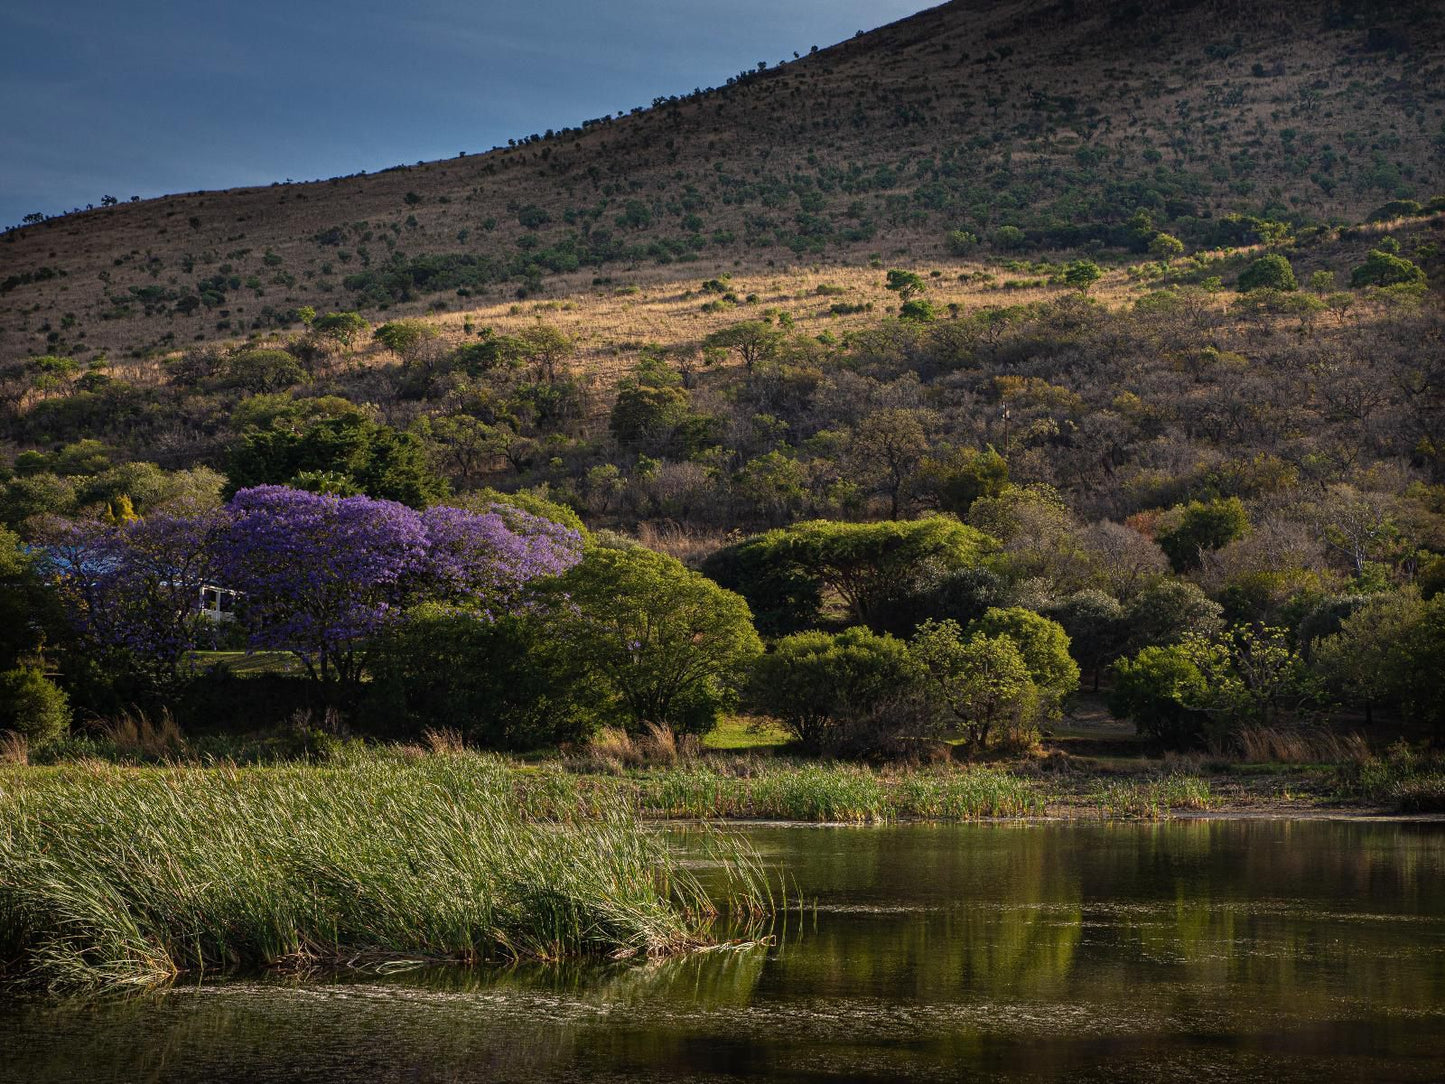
pixel 968 132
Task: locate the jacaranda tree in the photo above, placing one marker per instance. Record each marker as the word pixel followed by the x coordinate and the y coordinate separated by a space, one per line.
pixel 133 591
pixel 321 576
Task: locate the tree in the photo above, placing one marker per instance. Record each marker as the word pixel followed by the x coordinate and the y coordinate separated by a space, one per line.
pixel 405 338
pixel 906 284
pixel 132 592
pixel 1167 612
pixel 1199 526
pixel 952 479
pixel 1384 268
pixel 887 447
pixel 1081 274
pixel 865 564
pixel 982 681
pixel 1158 689
pixel 754 341
pixel 376 459
pixel 1165 247
pixel 262 371
pixel 501 680
pixel 323 576
pixel 647 417
pixel 1422 657
pixel 1094 623
pixel 1364 661
pixel 823 688
pixel 667 644
pixel 1271 272
pixel 341 328
pixel 546 349
pixel 1043 644
pixel 32 706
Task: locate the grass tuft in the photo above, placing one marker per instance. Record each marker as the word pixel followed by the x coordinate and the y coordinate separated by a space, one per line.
pixel 119 877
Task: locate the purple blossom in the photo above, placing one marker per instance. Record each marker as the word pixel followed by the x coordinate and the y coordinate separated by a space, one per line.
pixel 136 588
pixel 317 575
pixel 322 575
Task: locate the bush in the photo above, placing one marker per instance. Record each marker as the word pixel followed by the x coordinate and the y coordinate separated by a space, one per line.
pixel 1272 272
pixel 826 690
pixel 33 706
pixel 1385 269
pixel 1155 690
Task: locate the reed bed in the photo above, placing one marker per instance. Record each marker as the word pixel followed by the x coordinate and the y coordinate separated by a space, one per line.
pixel 836 793
pixel 1152 799
pixel 124 877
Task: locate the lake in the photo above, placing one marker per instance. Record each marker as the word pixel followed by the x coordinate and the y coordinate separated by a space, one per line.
pixel 1217 950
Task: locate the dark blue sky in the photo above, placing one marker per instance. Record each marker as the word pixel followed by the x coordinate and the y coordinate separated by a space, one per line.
pixel 144 97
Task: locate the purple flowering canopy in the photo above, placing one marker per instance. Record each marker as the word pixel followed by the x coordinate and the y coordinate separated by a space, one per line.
pixel 136 588
pixel 317 575
pixel 321 575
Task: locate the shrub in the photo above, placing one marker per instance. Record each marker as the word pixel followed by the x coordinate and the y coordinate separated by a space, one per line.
pixel 32 706
pixel 1385 269
pixel 824 689
pixel 1157 690
pixel 1271 272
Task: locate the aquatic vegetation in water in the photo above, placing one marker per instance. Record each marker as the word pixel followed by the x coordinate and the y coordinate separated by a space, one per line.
pixel 113 877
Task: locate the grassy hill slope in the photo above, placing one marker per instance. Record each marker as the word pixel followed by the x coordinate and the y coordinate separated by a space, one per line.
pixel 1018 127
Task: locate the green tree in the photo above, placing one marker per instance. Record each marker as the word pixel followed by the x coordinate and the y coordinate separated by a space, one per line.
pixel 1043 644
pixel 1271 272
pixel 1188 531
pixel 1158 689
pixel 505 681
pixel 1166 612
pixel 753 340
pixel 668 645
pixel 33 706
pixel 820 687
pixel 982 682
pixel 1364 662
pixel 1165 247
pixel 906 284
pixel 405 338
pixel 376 459
pixel 647 417
pixel 547 350
pixel 1094 622
pixel 1081 274
pixel 953 478
pixel 262 371
pixel 1422 658
pixel 341 328
pixel 865 565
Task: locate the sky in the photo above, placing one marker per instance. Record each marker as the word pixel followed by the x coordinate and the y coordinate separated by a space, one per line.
pixel 148 97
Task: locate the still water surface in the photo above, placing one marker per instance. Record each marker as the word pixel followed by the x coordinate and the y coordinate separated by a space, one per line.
pixel 1196 951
